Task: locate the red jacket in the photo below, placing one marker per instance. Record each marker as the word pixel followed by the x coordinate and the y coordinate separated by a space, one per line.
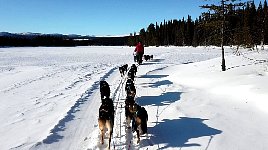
pixel 139 48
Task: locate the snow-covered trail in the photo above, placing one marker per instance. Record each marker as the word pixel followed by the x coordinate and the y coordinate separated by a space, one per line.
pixel 124 138
pixel 51 98
pixel 71 132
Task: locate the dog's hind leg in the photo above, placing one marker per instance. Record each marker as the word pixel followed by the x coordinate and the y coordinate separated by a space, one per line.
pixel 138 136
pixel 138 123
pixel 109 125
pixel 128 120
pixel 102 128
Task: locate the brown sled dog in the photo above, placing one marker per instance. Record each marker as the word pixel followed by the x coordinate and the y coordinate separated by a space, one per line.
pixel 139 120
pixel 106 119
pixel 129 102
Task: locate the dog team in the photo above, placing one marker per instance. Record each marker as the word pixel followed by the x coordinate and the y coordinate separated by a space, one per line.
pixel 148 57
pixel 106 112
pixel 133 112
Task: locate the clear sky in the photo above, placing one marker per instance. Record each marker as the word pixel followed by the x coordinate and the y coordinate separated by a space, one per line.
pixel 92 17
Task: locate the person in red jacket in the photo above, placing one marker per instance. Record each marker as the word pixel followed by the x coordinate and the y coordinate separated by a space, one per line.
pixel 139 50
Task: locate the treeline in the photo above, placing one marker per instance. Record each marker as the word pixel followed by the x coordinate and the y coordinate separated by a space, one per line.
pixel 109 41
pixel 55 40
pixel 42 40
pixel 246 25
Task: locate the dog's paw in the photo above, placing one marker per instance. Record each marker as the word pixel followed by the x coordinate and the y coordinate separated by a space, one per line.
pixel 138 141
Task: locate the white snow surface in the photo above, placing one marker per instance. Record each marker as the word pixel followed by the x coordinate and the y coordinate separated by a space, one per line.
pixel 50 98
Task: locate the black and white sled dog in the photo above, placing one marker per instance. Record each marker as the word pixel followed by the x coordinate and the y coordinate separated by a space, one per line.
pixel 104 89
pixel 131 73
pixel 123 69
pixel 130 88
pixel 134 68
pixel 146 57
pixel 106 119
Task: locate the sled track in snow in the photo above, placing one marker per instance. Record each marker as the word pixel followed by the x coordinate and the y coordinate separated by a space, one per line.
pixel 116 140
pixel 117 97
pixel 123 138
pixel 54 135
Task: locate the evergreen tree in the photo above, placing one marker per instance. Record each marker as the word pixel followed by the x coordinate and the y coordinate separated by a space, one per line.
pixel 260 23
pixel 196 36
pixel 157 34
pixel 176 32
pixel 142 37
pixel 220 11
pixel 265 22
pixel 189 31
pixel 151 35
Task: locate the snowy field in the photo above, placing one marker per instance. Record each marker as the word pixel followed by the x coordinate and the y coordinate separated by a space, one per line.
pixel 50 98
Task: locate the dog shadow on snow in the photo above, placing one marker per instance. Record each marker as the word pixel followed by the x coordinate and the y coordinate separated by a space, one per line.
pixel 161 100
pixel 159 83
pixel 172 133
pixel 152 76
pixel 178 132
pixel 151 62
pixel 165 98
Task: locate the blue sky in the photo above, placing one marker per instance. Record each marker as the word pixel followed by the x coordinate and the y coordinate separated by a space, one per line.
pixel 92 17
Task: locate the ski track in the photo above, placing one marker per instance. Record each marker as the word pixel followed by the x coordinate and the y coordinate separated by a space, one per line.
pixel 27 82
pixel 55 133
pixel 61 93
pixel 116 141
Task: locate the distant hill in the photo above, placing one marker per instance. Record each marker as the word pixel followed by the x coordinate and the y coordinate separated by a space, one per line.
pixel 38 39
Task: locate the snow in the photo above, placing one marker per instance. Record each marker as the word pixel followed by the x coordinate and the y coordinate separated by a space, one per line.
pixel 50 98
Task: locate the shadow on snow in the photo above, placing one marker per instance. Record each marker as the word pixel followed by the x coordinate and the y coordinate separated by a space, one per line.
pixel 165 98
pixel 161 100
pixel 178 132
pixel 152 76
pixel 159 83
pixel 175 132
pixel 152 62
